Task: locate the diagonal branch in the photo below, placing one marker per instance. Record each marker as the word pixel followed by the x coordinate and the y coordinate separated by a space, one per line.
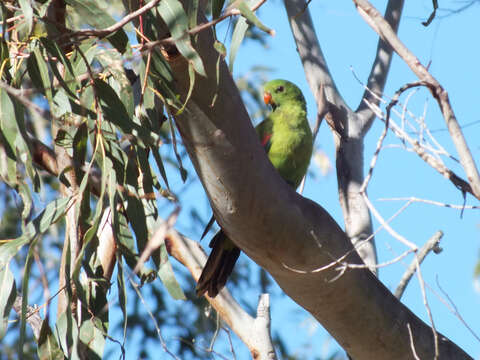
pixel 381 65
pixel 118 25
pixel 254 332
pixel 287 231
pixel 387 33
pixel 430 245
pixel 347 127
pixel 311 55
pixel 420 150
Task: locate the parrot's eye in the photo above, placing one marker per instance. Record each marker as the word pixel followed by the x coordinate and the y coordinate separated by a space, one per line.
pixel 279 89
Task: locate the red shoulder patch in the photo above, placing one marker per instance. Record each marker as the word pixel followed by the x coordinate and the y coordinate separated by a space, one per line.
pixel 266 139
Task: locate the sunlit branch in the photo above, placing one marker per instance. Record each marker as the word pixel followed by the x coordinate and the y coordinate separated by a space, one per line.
pixel 381 26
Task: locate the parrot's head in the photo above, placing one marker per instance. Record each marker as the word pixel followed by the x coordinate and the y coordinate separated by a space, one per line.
pixel 278 92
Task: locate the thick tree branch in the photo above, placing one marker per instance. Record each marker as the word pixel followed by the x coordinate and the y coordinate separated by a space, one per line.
pixel 254 332
pixel 381 26
pixel 347 127
pixel 314 63
pixel 381 65
pixel 288 231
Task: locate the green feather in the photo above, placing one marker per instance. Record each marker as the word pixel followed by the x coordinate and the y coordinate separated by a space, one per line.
pixel 290 144
pixel 287 139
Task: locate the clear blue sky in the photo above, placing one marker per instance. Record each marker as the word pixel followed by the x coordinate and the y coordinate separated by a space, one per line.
pixel 348 43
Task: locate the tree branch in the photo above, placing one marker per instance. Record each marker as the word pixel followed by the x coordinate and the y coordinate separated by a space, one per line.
pixel 287 231
pixel 381 65
pixel 315 66
pixel 254 332
pixel 118 25
pixel 201 27
pixel 347 127
pixel 381 26
pixel 431 244
pixel 420 150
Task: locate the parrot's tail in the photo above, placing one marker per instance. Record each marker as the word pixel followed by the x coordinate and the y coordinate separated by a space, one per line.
pixel 219 265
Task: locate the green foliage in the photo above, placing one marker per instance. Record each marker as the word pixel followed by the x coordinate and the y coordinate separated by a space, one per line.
pixel 8 293
pixel 109 133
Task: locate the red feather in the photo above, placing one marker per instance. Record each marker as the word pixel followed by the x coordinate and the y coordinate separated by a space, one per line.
pixel 266 139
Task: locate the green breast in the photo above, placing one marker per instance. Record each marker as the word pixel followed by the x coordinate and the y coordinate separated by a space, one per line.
pixel 291 143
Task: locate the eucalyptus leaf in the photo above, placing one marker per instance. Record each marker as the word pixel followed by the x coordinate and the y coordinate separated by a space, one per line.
pixel 48 348
pixel 166 274
pixel 66 331
pixel 192 12
pixel 177 21
pixel 27 11
pixel 217 6
pixel 100 19
pixel 252 18
pixel 53 212
pixel 122 294
pixel 43 73
pixel 239 31
pixel 91 341
pixel 8 137
pixel 113 108
pixel 8 292
pixel 25 291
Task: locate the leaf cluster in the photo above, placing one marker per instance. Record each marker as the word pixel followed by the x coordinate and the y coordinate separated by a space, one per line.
pixel 86 137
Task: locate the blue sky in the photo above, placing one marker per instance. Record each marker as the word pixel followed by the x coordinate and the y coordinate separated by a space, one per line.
pixel 349 46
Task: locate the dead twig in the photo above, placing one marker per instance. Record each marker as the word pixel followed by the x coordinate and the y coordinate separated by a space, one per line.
pixel 385 31
pixel 431 244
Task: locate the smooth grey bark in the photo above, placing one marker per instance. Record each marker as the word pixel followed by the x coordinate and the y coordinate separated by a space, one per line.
pixel 347 128
pixel 288 235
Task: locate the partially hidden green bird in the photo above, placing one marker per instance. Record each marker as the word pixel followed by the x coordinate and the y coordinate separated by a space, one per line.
pixel 287 139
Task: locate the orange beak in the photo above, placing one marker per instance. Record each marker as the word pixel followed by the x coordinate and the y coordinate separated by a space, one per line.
pixel 267 97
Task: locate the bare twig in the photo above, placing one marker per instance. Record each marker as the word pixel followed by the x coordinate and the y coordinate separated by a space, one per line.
pixel 17 93
pixel 111 29
pixel 430 245
pixel 432 15
pixel 431 202
pixel 425 156
pixel 155 323
pixel 12 19
pixel 381 26
pixel 412 345
pixel 456 312
pixel 201 27
pixel 427 306
pixel 392 103
pixel 387 227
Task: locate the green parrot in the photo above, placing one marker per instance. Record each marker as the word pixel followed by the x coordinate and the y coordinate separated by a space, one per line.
pixel 287 139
